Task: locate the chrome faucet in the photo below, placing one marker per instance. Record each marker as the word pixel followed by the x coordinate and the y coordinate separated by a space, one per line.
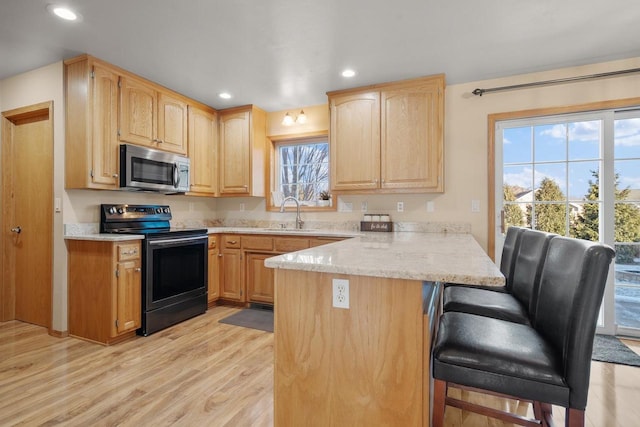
pixel 299 221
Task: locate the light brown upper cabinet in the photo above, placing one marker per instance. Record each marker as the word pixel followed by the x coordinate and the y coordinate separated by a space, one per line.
pixel 203 151
pixel 107 106
pixel 388 137
pixel 151 116
pixel 243 145
pixel 91 149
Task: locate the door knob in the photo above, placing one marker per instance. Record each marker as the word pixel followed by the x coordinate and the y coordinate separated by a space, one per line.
pixel 16 230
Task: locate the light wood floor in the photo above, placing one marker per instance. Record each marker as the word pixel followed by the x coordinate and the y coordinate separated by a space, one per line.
pixel 201 373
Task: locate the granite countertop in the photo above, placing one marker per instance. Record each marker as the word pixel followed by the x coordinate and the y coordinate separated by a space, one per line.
pixel 91 235
pixel 437 257
pixel 104 237
pixel 284 231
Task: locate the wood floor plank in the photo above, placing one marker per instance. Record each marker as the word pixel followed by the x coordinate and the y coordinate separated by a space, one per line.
pixel 202 372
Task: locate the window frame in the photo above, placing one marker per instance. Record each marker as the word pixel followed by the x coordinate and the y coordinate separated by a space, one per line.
pixel 272 169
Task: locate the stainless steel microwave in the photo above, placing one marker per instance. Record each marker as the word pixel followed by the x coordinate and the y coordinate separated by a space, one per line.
pixel 146 169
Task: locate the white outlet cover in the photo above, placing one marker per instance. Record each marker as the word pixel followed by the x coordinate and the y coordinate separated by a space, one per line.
pixel 400 206
pixel 341 293
pixel 345 207
pixel 431 206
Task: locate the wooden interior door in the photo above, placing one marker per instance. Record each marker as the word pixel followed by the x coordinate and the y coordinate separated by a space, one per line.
pixel 27 214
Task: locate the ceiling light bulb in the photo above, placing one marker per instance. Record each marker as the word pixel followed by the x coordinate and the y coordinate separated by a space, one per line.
pixel 348 73
pixel 225 95
pixel 288 120
pixel 302 118
pixel 62 12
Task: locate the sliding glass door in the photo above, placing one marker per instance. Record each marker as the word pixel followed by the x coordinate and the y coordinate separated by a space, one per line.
pixel 578 175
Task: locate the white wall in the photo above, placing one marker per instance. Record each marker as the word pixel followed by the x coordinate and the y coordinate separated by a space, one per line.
pixel 45 84
pixel 466 175
pixel 466 133
pixel 465 147
pixel 79 206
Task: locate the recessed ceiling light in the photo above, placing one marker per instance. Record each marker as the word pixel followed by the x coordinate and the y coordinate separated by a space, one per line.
pixel 348 73
pixel 225 95
pixel 63 12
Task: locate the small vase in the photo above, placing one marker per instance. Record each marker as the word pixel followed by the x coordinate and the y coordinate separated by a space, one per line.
pixel 324 203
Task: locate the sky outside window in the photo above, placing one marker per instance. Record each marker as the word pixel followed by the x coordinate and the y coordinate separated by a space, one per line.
pixel 572 145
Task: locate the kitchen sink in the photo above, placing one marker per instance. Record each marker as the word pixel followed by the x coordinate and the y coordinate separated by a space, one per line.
pixel 290 230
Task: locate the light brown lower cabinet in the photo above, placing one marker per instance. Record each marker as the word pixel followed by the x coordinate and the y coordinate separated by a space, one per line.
pixel 231 275
pixel 213 278
pixel 104 289
pixel 243 278
pixel 259 278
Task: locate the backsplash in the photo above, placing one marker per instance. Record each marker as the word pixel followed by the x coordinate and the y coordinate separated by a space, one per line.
pixel 416 227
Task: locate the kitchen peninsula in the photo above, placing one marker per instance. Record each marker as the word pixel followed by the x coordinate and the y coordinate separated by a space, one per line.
pixel 368 364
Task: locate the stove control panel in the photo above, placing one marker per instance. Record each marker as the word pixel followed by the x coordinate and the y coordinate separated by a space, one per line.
pixel 135 213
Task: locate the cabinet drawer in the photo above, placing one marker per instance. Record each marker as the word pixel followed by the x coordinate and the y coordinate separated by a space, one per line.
pixel 231 242
pixel 213 242
pixel 257 242
pixel 286 244
pixel 128 251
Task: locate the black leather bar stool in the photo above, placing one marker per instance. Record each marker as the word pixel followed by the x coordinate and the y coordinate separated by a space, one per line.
pixel 518 303
pixel 546 362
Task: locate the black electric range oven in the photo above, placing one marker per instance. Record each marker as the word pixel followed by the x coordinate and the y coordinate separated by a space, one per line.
pixel 174 263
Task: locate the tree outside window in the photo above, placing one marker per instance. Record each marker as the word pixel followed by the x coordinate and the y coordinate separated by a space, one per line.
pixel 303 170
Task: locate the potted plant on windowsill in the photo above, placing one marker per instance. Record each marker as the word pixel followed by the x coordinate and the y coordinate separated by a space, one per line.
pixel 324 199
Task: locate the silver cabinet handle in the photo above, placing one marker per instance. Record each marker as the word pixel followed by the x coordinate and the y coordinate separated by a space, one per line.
pixel 137 270
pixel 115 175
pixel 16 230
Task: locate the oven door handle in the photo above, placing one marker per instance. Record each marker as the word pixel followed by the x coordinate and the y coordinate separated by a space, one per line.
pixel 178 240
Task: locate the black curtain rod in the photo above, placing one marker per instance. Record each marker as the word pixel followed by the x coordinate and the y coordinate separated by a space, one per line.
pixel 480 92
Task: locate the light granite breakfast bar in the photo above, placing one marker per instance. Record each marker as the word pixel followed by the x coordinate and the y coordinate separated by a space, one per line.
pixel 368 364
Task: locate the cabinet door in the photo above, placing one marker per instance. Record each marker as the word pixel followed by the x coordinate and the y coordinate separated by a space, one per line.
pixel 172 124
pixel 138 102
pixel 231 276
pixel 104 127
pixel 411 140
pixel 355 141
pixel 213 291
pixel 128 296
pixel 203 148
pixel 235 146
pixel 259 278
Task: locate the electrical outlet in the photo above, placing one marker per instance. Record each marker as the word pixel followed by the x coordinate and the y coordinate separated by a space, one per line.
pixel 363 206
pixel 400 206
pixel 191 207
pixel 340 293
pixel 475 206
pixel 346 207
pixel 431 206
pixel 241 207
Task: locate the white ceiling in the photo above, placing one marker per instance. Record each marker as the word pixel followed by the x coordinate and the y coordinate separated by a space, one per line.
pixel 281 54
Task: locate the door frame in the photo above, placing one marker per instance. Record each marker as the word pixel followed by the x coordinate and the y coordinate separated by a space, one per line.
pixel 10 118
